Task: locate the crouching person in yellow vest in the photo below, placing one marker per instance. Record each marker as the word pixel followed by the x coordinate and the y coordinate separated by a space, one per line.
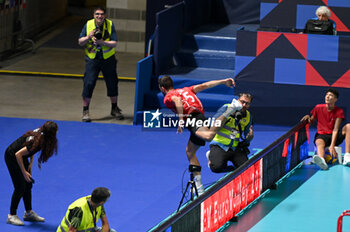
pixel 231 142
pixel 83 214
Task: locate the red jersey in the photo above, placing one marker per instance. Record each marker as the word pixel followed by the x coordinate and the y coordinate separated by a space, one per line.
pixel 326 119
pixel 190 101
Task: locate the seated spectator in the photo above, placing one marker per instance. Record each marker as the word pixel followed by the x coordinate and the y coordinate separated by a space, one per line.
pixel 322 24
pixel 329 132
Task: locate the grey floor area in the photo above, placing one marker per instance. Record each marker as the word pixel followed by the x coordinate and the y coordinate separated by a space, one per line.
pixel 59 98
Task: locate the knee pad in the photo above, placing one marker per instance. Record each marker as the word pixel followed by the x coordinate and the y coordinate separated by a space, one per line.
pixel 194 168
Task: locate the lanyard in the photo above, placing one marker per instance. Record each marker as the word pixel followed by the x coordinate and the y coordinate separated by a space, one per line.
pixel 92 213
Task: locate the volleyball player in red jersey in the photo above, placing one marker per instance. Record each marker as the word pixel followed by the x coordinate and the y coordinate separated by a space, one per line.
pixel 189 108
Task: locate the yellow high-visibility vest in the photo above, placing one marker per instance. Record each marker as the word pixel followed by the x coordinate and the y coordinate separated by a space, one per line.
pixel 87 222
pixel 90 48
pixel 229 134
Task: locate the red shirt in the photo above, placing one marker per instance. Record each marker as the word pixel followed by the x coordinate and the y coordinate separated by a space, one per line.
pixel 190 101
pixel 326 119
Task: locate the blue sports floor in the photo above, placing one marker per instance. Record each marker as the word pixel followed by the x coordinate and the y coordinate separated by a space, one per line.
pixel 145 171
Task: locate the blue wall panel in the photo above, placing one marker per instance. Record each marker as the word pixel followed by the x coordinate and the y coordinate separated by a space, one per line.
pixel 290 71
pixel 322 47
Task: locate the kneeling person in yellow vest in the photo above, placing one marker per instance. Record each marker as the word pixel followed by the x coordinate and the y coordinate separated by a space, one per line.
pixel 231 142
pixel 83 214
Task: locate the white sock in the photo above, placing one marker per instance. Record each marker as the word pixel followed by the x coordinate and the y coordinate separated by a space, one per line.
pixel 198 180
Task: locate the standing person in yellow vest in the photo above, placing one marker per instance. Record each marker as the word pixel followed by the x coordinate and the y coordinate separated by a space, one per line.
pixel 231 142
pixel 100 40
pixel 83 214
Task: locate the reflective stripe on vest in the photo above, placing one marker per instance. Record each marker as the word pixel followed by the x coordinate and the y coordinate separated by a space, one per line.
pixel 90 48
pixel 229 134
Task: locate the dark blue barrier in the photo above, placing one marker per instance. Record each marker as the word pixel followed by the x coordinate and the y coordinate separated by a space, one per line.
pixel 235 192
pixel 143 85
pixel 168 36
pixel 197 13
pixel 236 11
pixel 152 7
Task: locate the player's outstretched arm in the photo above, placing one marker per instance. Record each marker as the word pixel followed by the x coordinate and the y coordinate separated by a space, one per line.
pixel 229 82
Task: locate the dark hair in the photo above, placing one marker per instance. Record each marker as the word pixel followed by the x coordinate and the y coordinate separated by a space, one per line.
pixel 99 8
pixel 334 91
pixel 100 194
pixel 246 94
pixel 45 140
pixel 166 82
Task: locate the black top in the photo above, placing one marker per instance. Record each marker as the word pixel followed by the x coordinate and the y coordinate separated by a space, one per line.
pixel 18 144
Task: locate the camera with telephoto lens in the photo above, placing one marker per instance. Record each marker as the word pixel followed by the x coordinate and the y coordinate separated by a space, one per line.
pixel 243 147
pixel 238 115
pixel 98 34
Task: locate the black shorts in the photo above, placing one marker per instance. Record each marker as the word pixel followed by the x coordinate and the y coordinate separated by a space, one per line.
pixel 194 138
pixel 327 138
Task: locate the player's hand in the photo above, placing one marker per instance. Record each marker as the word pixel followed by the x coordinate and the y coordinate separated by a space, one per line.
pixel 27 177
pixel 180 126
pixel 332 151
pixel 30 168
pixel 229 82
pixel 306 118
pixel 179 129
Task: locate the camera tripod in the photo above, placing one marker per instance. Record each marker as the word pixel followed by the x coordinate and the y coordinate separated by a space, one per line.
pixel 190 183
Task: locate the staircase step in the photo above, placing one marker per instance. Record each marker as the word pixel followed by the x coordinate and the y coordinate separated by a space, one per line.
pixel 197 41
pixel 206 58
pixel 187 76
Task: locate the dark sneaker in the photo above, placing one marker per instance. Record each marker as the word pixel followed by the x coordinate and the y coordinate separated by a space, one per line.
pixel 33 217
pixel 14 220
pixel 86 116
pixel 117 113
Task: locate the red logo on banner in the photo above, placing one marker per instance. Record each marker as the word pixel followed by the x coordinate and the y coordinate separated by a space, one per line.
pixel 232 198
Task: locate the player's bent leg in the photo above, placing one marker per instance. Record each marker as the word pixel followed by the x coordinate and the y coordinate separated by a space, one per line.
pixel 319 158
pixel 320 146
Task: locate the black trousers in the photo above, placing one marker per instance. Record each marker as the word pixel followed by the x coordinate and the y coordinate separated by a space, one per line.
pixel 219 159
pixel 23 189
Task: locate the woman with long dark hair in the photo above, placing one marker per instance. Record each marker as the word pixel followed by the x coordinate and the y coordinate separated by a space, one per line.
pixel 19 158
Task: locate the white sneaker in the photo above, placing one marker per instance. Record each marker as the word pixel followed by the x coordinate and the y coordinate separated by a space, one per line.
pixel 199 185
pixel 33 217
pixel 319 161
pixel 14 220
pixel 236 104
pixel 346 160
pixel 207 155
pixel 200 190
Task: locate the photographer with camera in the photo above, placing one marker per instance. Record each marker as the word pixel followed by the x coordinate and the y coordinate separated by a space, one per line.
pixel 100 40
pixel 231 142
